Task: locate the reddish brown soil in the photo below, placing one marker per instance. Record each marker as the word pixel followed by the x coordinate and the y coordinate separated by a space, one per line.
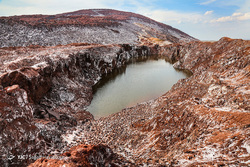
pixel 203 120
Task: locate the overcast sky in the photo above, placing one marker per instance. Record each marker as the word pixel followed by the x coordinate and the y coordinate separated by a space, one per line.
pixel 202 19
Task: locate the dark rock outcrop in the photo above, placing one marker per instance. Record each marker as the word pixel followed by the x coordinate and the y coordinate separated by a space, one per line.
pixel 18 136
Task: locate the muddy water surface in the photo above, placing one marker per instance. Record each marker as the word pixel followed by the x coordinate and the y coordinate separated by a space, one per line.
pixel 138 82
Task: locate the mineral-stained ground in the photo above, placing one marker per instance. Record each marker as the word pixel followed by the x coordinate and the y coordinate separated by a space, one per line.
pixel 45 89
pixel 202 120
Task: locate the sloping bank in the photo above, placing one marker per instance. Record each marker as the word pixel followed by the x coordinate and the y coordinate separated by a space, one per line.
pixel 44 92
pixel 202 120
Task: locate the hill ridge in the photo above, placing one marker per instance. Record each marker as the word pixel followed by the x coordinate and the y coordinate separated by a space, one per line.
pixel 101 26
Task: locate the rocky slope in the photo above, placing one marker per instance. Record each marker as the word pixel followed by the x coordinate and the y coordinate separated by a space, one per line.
pixel 44 91
pixel 202 120
pixel 102 26
pixel 85 155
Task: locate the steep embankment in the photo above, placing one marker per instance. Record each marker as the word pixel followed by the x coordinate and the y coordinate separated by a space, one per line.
pixel 202 120
pixel 44 92
pixel 102 26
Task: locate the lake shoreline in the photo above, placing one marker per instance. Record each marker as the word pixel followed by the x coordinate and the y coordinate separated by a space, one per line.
pixel 201 120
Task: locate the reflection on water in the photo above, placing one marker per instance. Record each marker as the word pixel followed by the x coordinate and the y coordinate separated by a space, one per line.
pixel 140 81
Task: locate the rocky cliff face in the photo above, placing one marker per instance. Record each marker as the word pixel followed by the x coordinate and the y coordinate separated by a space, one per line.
pixel 202 120
pixel 45 90
pixel 102 26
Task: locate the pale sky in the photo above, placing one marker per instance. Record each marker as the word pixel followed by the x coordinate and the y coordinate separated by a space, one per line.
pixel 202 19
